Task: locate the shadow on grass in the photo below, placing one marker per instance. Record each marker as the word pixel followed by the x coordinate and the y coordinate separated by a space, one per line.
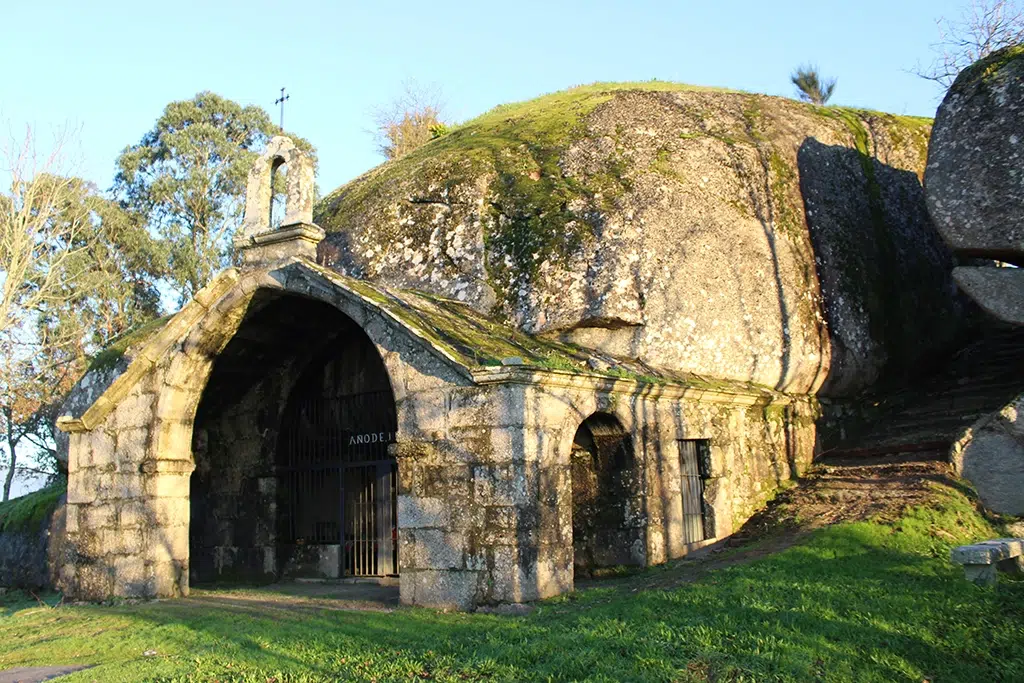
pixel 837 607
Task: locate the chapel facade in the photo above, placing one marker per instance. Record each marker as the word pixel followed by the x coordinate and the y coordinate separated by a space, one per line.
pixel 292 421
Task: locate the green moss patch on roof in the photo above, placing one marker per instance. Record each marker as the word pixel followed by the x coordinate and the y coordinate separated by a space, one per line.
pixel 114 351
pixel 474 340
pixel 28 513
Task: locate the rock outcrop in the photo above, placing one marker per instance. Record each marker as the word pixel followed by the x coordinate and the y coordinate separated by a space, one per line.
pixel 975 175
pixel 975 178
pixel 730 235
pixel 975 192
pixel 991 455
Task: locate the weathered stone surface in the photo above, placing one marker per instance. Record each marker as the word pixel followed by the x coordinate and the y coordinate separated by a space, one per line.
pixel 981 560
pixel 1000 291
pixel 731 235
pixel 974 182
pixel 485 504
pixel 991 455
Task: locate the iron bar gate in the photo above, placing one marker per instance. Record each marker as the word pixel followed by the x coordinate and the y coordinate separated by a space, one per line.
pixel 337 484
pixel 692 470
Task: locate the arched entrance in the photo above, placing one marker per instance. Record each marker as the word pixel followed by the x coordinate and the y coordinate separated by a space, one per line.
pixel 293 473
pixel 336 481
pixel 607 520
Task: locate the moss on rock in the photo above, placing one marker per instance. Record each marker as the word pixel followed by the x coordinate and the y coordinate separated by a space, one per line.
pixel 28 513
pixel 116 350
pixel 662 222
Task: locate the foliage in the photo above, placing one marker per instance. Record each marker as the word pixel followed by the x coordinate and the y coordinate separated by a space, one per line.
pixel 410 121
pixel 983 27
pixel 76 271
pixel 811 87
pixel 439 130
pixel 28 513
pixel 186 179
pixel 864 602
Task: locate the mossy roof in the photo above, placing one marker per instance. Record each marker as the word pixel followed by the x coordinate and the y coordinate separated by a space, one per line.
pixel 456 331
pixel 118 347
pixel 474 340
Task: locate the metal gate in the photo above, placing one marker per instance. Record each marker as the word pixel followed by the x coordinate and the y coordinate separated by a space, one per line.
pixel 692 456
pixel 337 484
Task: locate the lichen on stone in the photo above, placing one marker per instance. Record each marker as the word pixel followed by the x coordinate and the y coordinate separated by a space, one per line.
pixel 668 224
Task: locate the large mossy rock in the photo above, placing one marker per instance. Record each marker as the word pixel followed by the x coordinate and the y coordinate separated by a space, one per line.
pixel 730 235
pixel 975 178
pixel 991 455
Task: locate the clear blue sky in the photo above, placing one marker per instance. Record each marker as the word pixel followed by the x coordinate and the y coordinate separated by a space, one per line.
pixel 109 68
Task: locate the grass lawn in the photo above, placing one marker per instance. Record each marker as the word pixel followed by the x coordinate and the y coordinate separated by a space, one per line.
pixel 853 602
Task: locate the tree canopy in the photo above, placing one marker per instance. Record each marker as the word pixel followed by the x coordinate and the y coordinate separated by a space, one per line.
pixel 77 270
pixel 186 179
pixel 983 27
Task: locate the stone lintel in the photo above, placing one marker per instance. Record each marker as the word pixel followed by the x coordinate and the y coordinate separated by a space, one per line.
pixel 988 552
pixel 277 246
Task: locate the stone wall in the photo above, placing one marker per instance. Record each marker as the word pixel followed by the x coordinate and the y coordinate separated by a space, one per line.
pixel 486 505
pixel 484 454
pixel 24 559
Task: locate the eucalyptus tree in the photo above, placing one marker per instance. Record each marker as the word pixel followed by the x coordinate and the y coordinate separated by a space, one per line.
pixel 186 179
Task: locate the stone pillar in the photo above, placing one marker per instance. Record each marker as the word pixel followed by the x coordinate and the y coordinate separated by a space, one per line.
pixel 127 509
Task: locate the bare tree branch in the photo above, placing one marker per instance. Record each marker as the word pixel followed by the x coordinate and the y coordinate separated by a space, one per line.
pixel 982 28
pixel 410 121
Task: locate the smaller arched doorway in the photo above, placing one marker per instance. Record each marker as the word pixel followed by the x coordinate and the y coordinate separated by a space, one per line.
pixel 608 523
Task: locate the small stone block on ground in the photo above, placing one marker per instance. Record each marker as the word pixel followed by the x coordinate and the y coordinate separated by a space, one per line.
pixel 982 560
pixel 988 552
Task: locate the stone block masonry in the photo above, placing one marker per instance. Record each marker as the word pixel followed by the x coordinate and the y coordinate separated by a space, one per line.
pixel 484 472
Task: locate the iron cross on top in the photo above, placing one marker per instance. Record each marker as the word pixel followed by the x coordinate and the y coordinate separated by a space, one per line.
pixel 281 100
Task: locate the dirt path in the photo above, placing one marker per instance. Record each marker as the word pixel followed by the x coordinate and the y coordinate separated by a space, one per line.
pixel 298 596
pixel 836 490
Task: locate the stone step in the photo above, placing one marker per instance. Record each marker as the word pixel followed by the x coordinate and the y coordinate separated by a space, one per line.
pixel 978 380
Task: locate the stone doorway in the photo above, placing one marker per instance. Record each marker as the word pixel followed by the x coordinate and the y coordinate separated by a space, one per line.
pixel 608 526
pixel 294 476
pixel 336 479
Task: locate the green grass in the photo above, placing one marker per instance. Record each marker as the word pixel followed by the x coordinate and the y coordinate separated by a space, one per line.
pixel 854 602
pixel 28 513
